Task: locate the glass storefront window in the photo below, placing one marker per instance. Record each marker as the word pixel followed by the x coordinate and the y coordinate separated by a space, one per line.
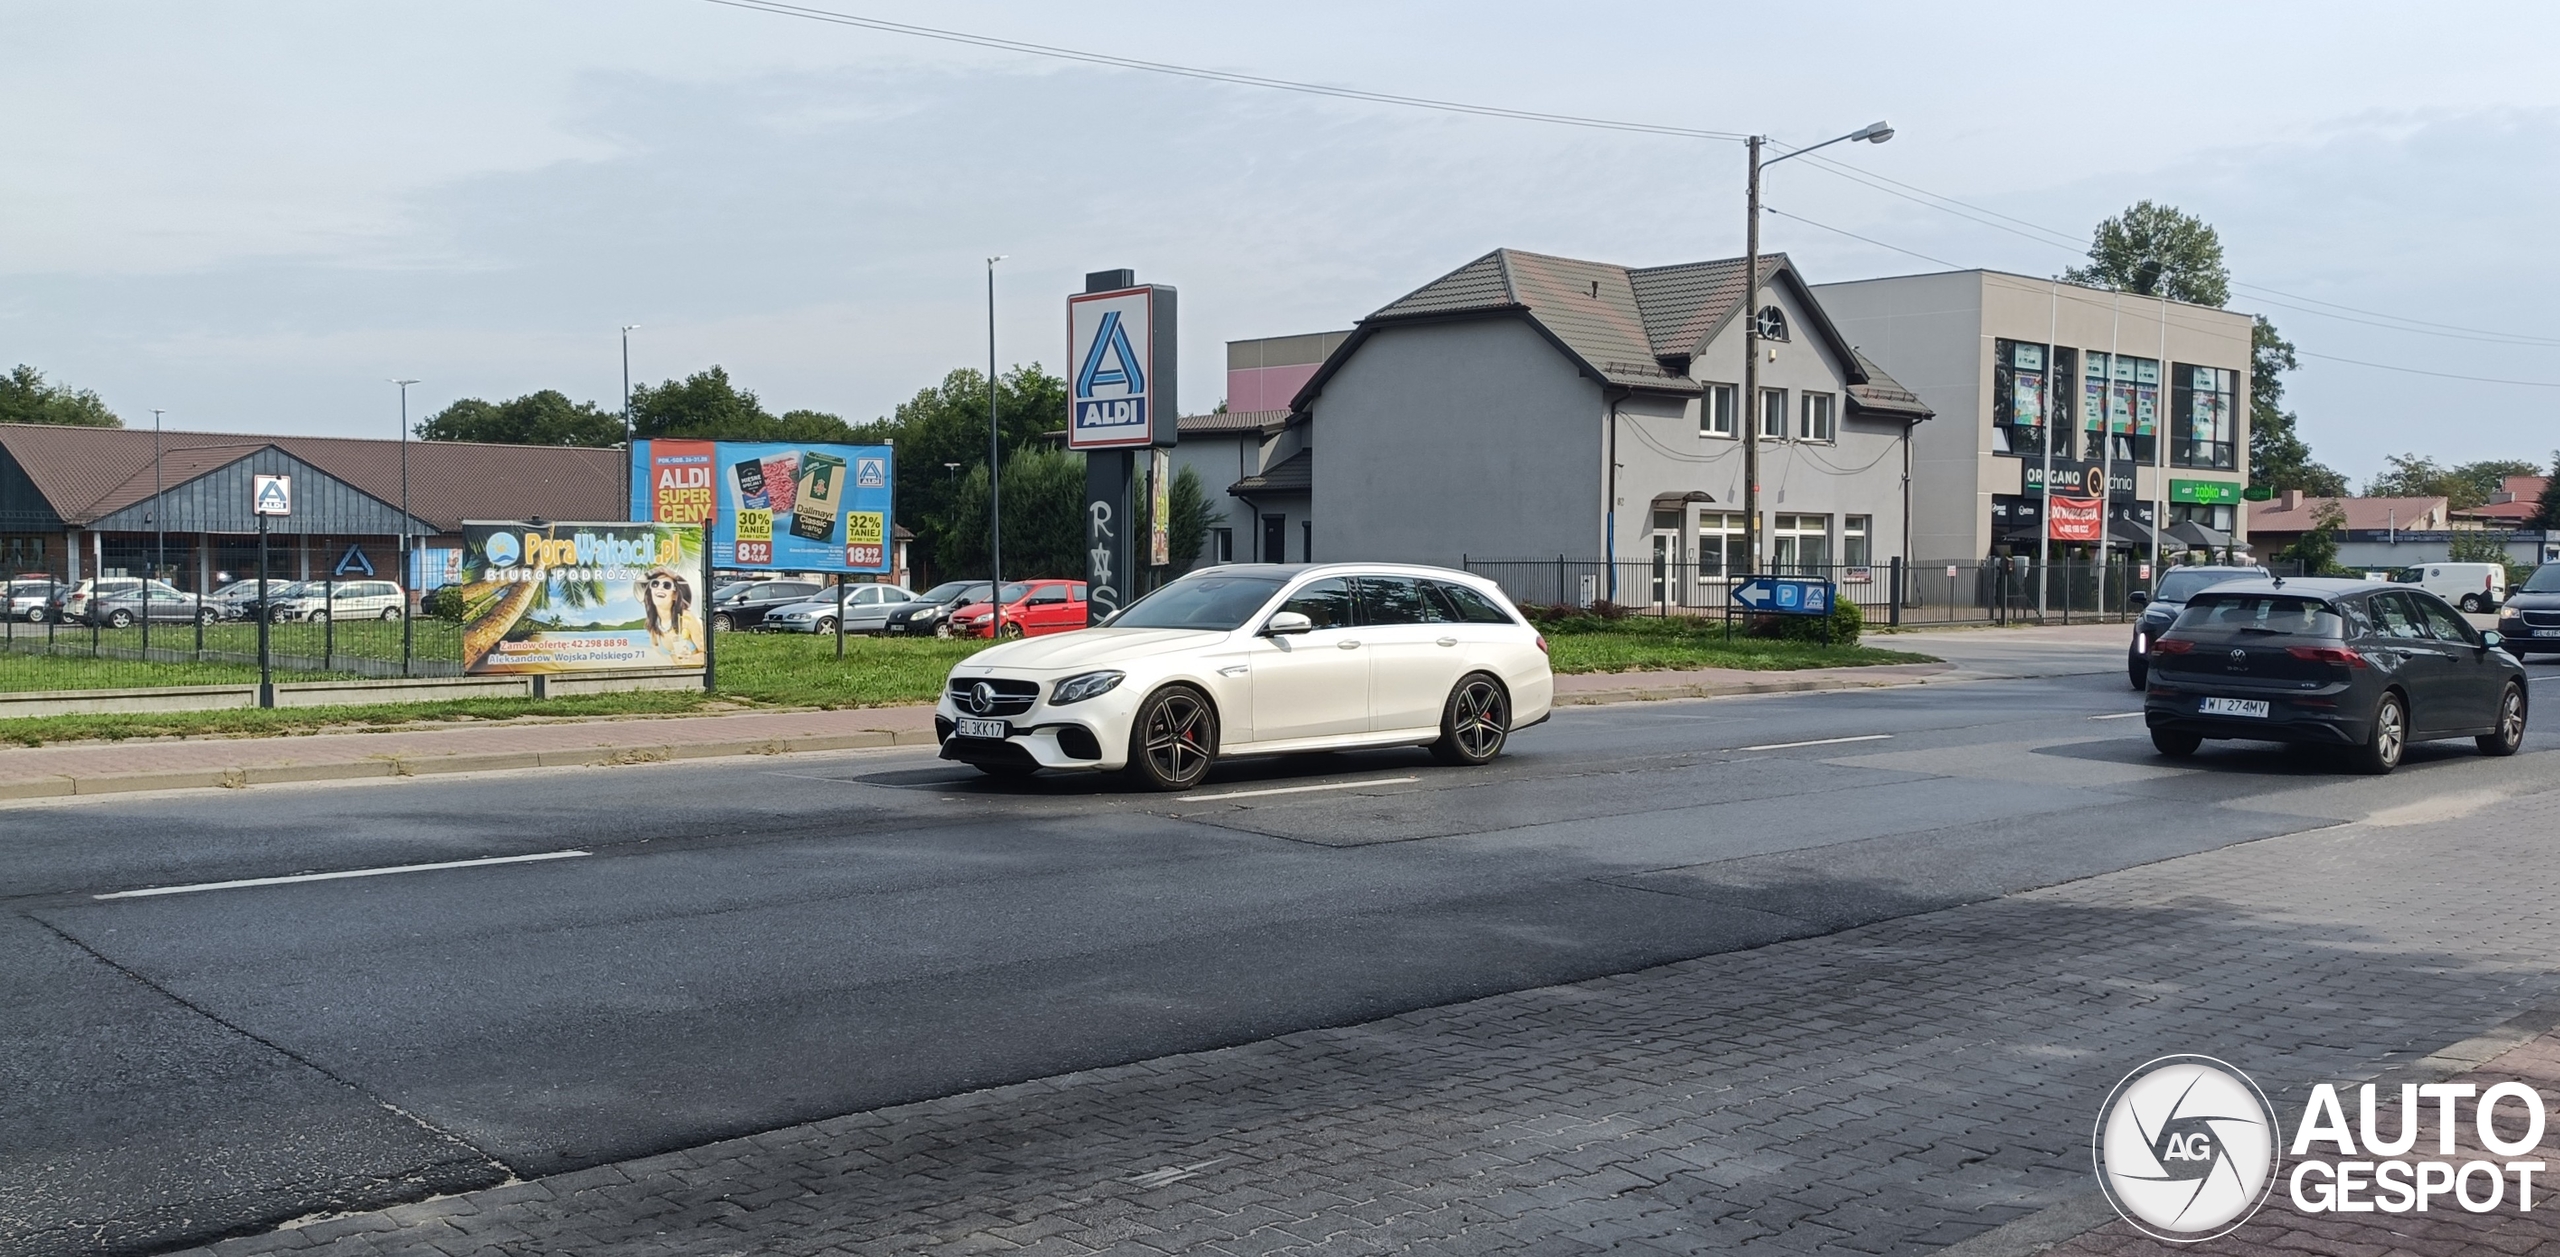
pixel 2203 417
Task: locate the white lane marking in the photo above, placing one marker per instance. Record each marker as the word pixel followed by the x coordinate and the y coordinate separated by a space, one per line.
pixel 331 877
pixel 1788 746
pixel 2121 715
pixel 1256 794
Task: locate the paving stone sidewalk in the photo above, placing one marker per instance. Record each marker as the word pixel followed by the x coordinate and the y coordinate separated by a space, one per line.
pixel 1891 1088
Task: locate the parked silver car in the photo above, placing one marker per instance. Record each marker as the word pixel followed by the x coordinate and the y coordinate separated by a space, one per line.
pixel 866 609
pixel 315 601
pixel 31 600
pixel 164 602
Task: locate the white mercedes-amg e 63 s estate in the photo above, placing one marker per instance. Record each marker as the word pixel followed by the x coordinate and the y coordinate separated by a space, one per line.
pixel 1257 659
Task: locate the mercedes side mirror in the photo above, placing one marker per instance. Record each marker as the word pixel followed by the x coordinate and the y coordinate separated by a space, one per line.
pixel 1283 623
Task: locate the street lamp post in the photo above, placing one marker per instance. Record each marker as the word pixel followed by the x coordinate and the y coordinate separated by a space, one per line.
pixel 1749 402
pixel 159 532
pixel 995 455
pixel 408 579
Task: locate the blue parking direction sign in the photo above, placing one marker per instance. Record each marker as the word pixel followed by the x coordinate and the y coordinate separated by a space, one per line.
pixel 1785 595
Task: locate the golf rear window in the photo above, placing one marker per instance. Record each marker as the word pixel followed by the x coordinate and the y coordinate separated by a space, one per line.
pixel 2292 614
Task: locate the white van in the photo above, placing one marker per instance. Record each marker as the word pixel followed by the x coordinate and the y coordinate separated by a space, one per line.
pixel 2474 587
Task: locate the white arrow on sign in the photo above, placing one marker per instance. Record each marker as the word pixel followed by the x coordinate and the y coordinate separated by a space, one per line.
pixel 1753 593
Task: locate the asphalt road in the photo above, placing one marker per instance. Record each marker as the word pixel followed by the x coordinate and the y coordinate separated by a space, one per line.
pixel 750 943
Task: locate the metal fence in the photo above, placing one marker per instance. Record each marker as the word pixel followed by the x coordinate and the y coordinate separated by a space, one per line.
pixel 141 642
pixel 1893 593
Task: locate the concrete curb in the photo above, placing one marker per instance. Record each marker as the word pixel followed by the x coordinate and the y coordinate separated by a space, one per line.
pixel 379 766
pixel 1726 689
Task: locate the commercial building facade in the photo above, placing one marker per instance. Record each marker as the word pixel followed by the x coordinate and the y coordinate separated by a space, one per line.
pixel 2136 407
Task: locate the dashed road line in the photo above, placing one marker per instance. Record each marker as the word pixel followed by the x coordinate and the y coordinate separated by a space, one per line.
pixel 1789 746
pixel 151 891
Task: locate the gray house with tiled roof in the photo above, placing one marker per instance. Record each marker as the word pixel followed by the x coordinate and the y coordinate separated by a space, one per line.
pixel 1527 406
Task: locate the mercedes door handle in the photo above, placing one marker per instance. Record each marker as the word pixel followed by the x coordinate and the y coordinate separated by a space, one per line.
pixel 1448 641
pixel 1348 645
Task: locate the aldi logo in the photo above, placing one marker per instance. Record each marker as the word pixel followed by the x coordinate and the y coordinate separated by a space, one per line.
pixel 1111 346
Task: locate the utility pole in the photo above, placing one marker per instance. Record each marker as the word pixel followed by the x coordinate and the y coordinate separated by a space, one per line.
pixel 1749 402
pixel 627 330
pixel 159 532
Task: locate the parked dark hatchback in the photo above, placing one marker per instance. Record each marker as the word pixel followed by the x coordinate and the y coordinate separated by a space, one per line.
pixel 2161 606
pixel 2359 665
pixel 2530 620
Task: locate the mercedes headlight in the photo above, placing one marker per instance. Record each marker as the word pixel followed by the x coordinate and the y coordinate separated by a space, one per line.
pixel 1076 689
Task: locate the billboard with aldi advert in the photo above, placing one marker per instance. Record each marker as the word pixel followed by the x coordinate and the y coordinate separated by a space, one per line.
pixel 783 505
pixel 565 597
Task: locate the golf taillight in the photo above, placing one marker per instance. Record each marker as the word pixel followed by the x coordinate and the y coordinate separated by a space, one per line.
pixel 2172 646
pixel 2339 655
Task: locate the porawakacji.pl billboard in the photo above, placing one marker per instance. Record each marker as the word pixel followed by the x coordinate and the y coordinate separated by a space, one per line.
pixel 782 505
pixel 568 597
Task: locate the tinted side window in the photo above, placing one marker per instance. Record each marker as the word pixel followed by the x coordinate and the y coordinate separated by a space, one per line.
pixel 2359 624
pixel 2394 617
pixel 1395 600
pixel 1325 603
pixel 1472 606
pixel 2445 622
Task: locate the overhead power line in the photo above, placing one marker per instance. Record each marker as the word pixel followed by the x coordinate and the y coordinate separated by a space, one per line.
pixel 1221 76
pixel 1976 214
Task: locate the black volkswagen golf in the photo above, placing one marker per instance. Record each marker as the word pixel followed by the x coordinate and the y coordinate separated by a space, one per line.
pixel 2359 665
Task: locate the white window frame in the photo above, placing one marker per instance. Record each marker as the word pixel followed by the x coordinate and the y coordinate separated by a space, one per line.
pixel 1857 542
pixel 1789 552
pixel 1773 405
pixel 1827 431
pixel 1715 410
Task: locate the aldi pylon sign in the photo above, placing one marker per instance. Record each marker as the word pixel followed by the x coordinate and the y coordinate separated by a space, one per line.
pixel 1119 353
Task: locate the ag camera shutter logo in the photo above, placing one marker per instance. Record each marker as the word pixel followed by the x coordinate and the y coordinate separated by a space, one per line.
pixel 2186 1148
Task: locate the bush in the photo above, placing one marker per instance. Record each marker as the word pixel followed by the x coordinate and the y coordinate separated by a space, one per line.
pixel 1559 617
pixel 443 603
pixel 1840 628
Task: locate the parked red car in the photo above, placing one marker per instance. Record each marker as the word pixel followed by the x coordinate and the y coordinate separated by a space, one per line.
pixel 1031 608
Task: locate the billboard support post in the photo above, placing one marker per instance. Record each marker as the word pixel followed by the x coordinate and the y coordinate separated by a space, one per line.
pixel 839 615
pixel 710 635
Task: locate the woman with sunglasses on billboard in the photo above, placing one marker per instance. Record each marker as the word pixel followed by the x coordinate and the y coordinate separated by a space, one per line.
pixel 666 606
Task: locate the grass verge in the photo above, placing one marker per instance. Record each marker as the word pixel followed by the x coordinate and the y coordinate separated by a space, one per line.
pixel 1645 644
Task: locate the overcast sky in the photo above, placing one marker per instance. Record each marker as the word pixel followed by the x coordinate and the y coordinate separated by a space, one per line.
pixel 251 215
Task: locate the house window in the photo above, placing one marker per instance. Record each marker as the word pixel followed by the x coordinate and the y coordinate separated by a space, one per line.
pixel 2021 398
pixel 1800 545
pixel 2202 417
pixel 1715 412
pixel 1854 552
pixel 1222 545
pixel 1772 323
pixel 1816 422
pixel 1719 544
pixel 2129 410
pixel 1773 414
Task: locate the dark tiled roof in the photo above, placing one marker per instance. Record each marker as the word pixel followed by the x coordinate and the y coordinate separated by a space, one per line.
pixel 85 473
pixel 1232 423
pixel 1294 474
pixel 1882 394
pixel 1620 320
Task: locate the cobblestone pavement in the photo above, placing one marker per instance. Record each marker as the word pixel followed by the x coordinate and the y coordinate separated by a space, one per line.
pixel 1890 1088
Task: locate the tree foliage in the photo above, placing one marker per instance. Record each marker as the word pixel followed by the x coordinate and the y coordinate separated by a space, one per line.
pixel 2157 251
pixel 2278 456
pixel 946 425
pixel 1043 517
pixel 2463 487
pixel 25 397
pixel 2546 512
pixel 705 406
pixel 544 418
pixel 2317 550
